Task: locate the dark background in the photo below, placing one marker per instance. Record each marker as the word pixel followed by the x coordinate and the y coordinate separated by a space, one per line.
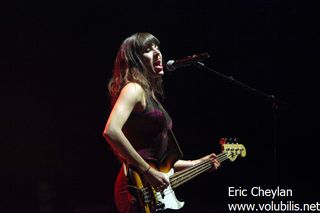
pixel 56 60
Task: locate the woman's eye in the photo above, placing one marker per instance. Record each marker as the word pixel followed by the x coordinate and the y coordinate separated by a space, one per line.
pixel 152 48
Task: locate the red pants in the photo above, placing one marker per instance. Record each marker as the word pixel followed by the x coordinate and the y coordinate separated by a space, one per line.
pixel 125 202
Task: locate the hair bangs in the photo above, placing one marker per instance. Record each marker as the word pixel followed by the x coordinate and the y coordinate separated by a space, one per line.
pixel 145 40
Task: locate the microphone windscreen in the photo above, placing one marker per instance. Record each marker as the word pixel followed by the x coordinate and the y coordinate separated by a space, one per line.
pixel 170 66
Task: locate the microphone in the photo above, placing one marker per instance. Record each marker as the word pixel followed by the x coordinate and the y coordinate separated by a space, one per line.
pixel 186 61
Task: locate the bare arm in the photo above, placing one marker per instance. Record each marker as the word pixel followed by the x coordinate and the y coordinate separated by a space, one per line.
pixel 131 98
pixel 183 164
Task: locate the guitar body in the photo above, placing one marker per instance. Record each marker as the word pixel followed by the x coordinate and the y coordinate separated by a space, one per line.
pixel 152 201
pixel 149 199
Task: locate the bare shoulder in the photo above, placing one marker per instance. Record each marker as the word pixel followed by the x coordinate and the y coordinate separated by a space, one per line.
pixel 133 89
pixel 132 92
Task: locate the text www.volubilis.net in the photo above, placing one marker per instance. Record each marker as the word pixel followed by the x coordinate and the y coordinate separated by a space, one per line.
pixel 274 207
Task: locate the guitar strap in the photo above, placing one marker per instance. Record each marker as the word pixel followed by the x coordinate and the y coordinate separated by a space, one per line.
pixel 177 148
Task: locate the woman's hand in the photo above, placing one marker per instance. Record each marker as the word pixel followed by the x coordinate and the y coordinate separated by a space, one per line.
pixel 156 179
pixel 212 157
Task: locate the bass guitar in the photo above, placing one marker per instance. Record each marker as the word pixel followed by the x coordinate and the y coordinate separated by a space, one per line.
pixel 151 200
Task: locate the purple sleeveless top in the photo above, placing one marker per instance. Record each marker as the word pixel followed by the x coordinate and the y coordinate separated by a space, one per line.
pixel 147 131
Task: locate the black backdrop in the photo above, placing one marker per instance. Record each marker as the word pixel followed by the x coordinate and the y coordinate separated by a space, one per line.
pixel 56 59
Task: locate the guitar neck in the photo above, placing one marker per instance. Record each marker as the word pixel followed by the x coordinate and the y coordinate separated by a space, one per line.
pixel 184 176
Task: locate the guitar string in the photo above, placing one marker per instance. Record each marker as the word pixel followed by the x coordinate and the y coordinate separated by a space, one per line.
pixel 194 171
pixel 221 157
pixel 183 178
pixel 176 175
pixel 191 168
pixel 190 175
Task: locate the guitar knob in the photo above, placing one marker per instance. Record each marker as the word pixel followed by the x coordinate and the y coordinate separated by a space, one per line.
pixel 160 206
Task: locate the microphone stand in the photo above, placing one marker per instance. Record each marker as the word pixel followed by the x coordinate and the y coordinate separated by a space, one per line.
pixel 275 104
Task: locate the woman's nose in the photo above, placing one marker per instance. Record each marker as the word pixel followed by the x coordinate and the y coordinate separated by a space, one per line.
pixel 156 51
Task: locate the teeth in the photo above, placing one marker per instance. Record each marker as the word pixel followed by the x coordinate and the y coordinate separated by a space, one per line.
pixel 158 62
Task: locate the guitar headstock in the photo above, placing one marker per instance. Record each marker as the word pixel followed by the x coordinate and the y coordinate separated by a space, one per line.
pixel 232 148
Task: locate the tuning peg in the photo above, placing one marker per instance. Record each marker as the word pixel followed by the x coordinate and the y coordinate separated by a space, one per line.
pixel 231 140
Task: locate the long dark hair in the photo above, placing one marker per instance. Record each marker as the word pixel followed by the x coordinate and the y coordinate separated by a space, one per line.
pixel 129 67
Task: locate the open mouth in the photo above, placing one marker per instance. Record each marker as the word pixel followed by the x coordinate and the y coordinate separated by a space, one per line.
pixel 158 64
